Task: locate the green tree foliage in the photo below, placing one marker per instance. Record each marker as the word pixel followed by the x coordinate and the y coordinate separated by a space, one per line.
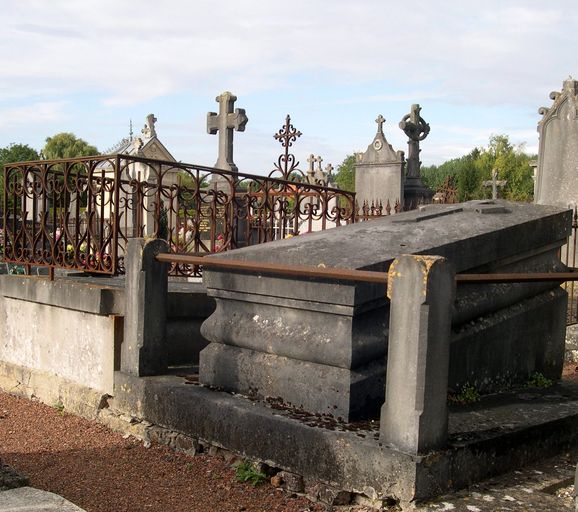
pixel 17 153
pixel 14 153
pixel 470 171
pixel 345 175
pixel 67 145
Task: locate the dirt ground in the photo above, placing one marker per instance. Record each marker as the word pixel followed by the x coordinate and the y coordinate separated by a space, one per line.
pixel 101 471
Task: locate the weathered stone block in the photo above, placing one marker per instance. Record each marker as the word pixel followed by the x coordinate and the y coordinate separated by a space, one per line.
pixel 143 350
pixel 414 417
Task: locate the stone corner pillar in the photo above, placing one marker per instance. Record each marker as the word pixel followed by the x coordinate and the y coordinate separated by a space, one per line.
pixel 143 350
pixel 414 417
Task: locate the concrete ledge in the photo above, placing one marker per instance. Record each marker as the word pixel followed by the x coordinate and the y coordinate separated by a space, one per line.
pixel 64 293
pixel 491 437
pixel 255 430
pixel 28 499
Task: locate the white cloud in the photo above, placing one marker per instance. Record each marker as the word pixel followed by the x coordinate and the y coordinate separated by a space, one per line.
pixel 135 51
pixel 36 113
pixel 339 63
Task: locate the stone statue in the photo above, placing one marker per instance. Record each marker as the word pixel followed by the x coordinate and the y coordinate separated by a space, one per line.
pixel 149 128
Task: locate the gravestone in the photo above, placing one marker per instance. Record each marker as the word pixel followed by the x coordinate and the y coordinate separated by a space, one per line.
pixel 557 172
pixel 379 172
pixel 321 344
pixel 224 123
pixel 416 129
pixel 495 183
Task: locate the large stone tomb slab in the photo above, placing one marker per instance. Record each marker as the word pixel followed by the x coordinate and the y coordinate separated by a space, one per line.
pixel 321 344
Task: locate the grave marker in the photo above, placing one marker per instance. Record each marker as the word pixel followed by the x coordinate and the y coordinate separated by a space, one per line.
pixel 225 122
pixel 414 126
pixel 557 173
pixel 495 183
pixel 379 172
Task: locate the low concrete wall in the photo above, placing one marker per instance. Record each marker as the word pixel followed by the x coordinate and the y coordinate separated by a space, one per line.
pixel 64 328
pixel 60 340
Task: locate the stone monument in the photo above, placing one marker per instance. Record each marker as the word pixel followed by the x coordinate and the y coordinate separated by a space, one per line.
pixel 316 175
pixel 379 172
pixel 415 192
pixel 322 343
pixel 224 123
pixel 557 172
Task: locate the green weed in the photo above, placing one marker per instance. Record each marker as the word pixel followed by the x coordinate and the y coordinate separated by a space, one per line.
pixel 246 472
pixel 537 380
pixel 59 406
pixel 467 395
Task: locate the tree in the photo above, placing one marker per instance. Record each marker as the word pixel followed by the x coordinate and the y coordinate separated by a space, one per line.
pixel 14 153
pixel 67 145
pixel 345 175
pixel 17 153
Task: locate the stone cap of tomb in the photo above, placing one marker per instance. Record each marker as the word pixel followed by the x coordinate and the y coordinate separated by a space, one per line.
pixel 473 235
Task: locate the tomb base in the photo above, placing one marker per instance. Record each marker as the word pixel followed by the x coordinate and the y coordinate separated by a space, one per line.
pixel 322 389
pixel 489 353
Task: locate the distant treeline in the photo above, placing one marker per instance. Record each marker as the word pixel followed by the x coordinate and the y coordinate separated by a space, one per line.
pixel 470 171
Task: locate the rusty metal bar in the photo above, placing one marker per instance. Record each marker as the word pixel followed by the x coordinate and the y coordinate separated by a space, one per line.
pixel 343 274
pixel 528 277
pixel 347 274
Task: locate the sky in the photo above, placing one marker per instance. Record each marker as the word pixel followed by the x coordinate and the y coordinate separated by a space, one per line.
pixel 90 67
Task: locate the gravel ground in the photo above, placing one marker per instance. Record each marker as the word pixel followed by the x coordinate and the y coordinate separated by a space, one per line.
pixel 101 471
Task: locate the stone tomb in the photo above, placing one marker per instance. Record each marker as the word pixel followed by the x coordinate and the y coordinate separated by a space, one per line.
pixel 321 344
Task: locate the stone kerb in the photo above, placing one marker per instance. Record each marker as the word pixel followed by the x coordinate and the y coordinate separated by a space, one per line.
pixel 143 350
pixel 414 417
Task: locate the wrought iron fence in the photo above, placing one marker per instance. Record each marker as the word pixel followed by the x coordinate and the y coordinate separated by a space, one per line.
pixel 79 213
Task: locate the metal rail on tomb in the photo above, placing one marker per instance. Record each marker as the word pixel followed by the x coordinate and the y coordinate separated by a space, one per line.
pixel 346 274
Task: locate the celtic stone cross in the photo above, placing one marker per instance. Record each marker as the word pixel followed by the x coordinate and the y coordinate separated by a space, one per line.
pixel 417 130
pixel 225 122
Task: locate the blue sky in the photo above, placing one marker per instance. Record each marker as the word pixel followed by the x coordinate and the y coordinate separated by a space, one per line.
pixel 476 68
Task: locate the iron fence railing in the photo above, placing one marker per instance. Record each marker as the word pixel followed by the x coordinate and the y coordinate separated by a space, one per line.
pixel 79 213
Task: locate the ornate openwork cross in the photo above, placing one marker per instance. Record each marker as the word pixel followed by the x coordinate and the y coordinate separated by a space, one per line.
pixel 286 163
pixel 225 122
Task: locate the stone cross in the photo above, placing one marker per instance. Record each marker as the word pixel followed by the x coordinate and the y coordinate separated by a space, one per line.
pixel 225 122
pixel 495 183
pixel 417 130
pixel 380 120
pixel 311 161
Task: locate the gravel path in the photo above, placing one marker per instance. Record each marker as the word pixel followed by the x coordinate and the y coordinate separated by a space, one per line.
pixel 101 471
